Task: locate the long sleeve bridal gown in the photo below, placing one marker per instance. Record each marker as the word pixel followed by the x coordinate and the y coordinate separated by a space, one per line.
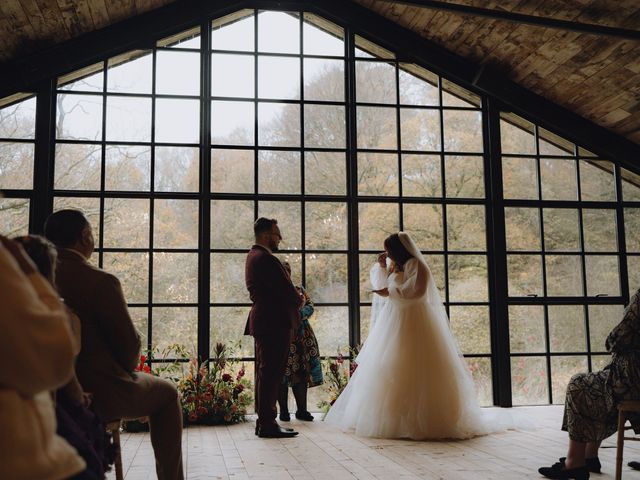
pixel 411 380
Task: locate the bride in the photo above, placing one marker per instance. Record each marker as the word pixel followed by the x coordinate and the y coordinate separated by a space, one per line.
pixel 411 380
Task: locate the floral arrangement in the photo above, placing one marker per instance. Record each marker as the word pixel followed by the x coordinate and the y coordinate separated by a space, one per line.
pixel 337 375
pixel 211 393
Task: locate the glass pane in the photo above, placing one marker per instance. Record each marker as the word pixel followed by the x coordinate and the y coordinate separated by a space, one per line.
pixel 420 129
pixel 470 327
pixel 227 279
pixel 177 73
pixel 88 79
pixel 462 131
pixel 566 328
pixel 376 221
pixel 597 181
pixel 466 227
pixel 19 120
pixel 187 39
pixel 467 278
pixel 278 32
pixel 227 326
pixel 279 77
pixel 324 79
pixel 464 176
pixel 232 171
pixel 130 73
pixel 127 168
pixel 602 319
pixel 175 277
pixel 561 229
pixel 278 172
pixel 324 126
pixel 418 86
pixel 436 265
pixel 525 275
pixel 599 230
pixel 322 37
pixel 424 223
pixel 90 207
pixel 279 124
pixel 140 315
pixel 630 185
pixel 175 224
pixel 522 228
pixel 517 137
pixel 77 167
pixel 16 164
pixel 375 82
pixel 633 267
pixel 177 120
pixel 366 262
pixel 175 325
pixel 234 223
pixel 289 216
pixel 234 32
pixel 376 127
pixel 480 369
pixel 126 223
pixel 129 119
pixel 598 362
pixel 377 174
pixel 365 323
pixel 325 173
pixel 326 225
pixel 529 381
pixel 552 144
pixel 177 169
pixel 421 176
pixel 632 229
pixel 564 275
pixel 562 369
pixel 232 123
pixel 520 178
pixel 558 179
pixel 331 326
pixel 526 329
pixel 79 117
pixel 453 95
pixel 132 269
pixel 232 75
pixel 14 216
pixel 602 275
pixel 326 277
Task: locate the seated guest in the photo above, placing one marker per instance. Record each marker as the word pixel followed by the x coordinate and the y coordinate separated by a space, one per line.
pixel 37 354
pixel 77 424
pixel 110 344
pixel 590 412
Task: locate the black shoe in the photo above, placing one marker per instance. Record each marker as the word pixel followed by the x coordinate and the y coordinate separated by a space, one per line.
pixel 285 417
pixel 306 416
pixel 593 464
pixel 634 465
pixel 276 432
pixel 557 471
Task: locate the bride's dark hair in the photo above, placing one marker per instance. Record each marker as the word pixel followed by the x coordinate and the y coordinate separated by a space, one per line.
pixel 397 251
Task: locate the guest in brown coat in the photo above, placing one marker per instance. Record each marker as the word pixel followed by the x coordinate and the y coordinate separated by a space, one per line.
pixel 274 316
pixel 110 347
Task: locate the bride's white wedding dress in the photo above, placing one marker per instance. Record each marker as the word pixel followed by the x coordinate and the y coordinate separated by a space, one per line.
pixel 411 380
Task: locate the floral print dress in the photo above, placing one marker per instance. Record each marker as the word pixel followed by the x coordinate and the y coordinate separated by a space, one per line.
pixel 590 413
pixel 303 363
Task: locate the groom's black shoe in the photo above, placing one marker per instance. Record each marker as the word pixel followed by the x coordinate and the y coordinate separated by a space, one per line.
pixel 276 432
pixel 634 465
pixel 593 464
pixel 285 417
pixel 306 416
pixel 257 429
pixel 557 471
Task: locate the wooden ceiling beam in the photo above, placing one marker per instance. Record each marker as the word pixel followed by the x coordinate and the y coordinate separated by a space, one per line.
pixel 546 22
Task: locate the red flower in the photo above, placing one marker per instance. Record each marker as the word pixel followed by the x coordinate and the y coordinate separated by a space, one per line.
pixel 239 388
pixel 240 374
pixel 226 377
pixel 193 416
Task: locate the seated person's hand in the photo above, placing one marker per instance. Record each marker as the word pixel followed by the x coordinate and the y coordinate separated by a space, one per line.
pixel 382 259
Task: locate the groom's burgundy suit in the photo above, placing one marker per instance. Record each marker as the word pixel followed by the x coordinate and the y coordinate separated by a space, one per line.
pixel 274 315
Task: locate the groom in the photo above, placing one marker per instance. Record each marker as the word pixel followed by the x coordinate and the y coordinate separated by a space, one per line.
pixel 274 316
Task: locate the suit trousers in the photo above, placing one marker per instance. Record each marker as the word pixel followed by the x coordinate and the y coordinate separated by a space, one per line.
pixel 272 351
pixel 153 397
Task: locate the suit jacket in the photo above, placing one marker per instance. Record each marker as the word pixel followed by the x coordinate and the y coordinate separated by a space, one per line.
pixel 276 303
pixel 110 347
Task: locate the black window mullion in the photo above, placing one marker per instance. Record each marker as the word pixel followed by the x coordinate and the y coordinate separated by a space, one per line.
pixel 41 198
pixel 152 188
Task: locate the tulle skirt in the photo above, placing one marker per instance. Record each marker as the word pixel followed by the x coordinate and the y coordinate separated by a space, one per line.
pixel 411 382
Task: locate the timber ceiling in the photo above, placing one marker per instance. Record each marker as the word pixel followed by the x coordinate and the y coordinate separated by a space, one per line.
pixel 595 76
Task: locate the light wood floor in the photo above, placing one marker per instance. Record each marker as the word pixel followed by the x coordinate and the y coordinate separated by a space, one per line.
pixel 322 452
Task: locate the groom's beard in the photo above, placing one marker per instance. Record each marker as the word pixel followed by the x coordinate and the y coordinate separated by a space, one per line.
pixel 274 248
